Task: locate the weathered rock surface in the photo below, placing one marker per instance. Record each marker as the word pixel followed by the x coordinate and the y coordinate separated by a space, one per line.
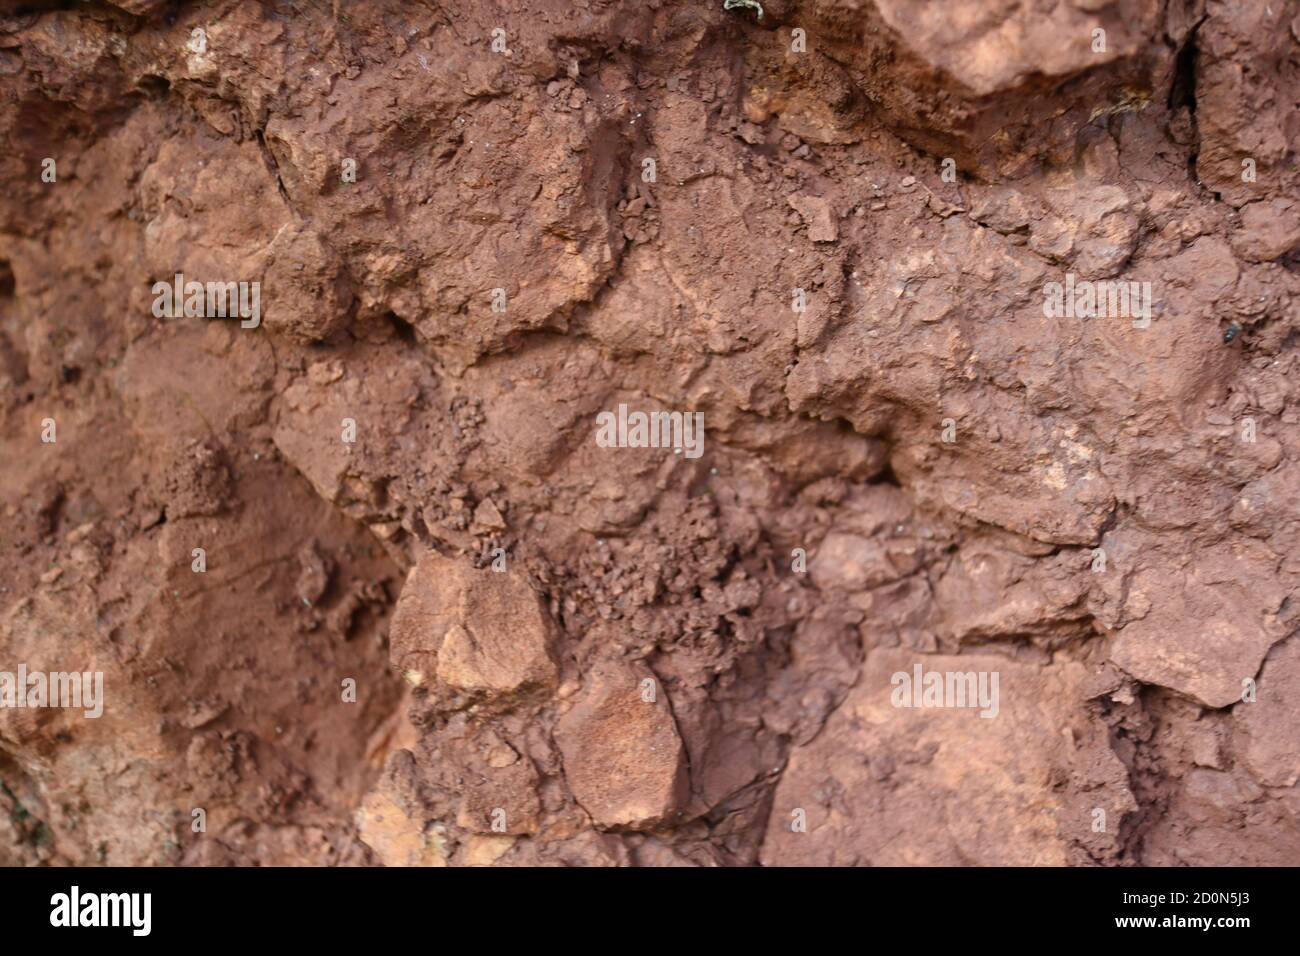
pixel 623 757
pixel 837 246
pixel 1270 724
pixel 479 632
pixel 1012 784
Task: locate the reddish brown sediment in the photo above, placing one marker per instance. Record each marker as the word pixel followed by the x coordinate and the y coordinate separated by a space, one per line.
pixel 841 256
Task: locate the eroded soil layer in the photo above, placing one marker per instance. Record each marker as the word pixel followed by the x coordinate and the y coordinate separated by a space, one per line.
pixel 363 584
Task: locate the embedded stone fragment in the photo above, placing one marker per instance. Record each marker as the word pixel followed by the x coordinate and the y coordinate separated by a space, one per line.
pixel 1269 230
pixel 1201 625
pixel 623 757
pixel 1272 722
pixel 500 800
pixel 818 214
pixel 481 850
pixel 851 562
pixel 307 290
pixel 980 761
pixel 478 631
pixel 396 838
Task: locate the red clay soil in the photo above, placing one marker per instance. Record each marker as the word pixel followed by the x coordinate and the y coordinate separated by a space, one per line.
pixel 441 621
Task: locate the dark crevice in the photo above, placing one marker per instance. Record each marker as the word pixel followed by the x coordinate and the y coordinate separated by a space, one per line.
pixel 886 477
pixel 274 167
pixel 154 87
pixel 405 330
pixel 1182 92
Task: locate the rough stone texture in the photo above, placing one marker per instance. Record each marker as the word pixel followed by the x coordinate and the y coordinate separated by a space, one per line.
pixel 1270 724
pixel 480 632
pixel 910 460
pixel 623 758
pixel 1202 623
pixel 395 838
pixel 1017 788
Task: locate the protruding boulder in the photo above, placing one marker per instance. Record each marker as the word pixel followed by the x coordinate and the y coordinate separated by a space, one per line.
pixel 1271 722
pixel 480 632
pixel 623 757
pixel 983 769
pixel 1269 230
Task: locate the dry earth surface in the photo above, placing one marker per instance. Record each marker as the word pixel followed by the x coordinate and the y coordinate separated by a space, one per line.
pixel 564 653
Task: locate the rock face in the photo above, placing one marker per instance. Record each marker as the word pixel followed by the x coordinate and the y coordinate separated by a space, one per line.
pixel 986 776
pixel 479 632
pixel 623 758
pixel 365 587
pixel 1271 725
pixel 1202 624
pixel 394 837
